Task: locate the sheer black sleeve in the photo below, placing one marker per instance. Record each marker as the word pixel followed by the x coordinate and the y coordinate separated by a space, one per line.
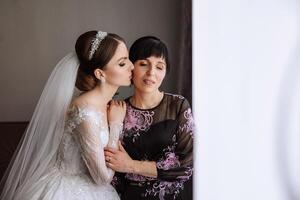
pixel 177 161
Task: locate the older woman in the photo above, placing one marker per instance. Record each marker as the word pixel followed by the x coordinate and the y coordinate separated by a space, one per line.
pixel 156 161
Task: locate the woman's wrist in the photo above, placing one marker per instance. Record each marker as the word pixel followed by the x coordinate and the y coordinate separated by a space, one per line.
pixel 144 168
pixel 133 166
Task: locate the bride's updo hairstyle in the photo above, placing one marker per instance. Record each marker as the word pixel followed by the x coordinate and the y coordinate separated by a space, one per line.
pixel 94 50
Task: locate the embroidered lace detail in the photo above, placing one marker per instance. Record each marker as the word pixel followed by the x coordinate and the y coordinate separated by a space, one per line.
pixel 76 115
pixel 115 130
pixel 72 177
pixel 189 125
pixel 161 188
pixel 170 159
pixel 139 178
pixel 115 181
pixel 137 121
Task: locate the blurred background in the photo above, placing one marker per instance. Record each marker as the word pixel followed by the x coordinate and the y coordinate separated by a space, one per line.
pixel 246 95
pixel 35 35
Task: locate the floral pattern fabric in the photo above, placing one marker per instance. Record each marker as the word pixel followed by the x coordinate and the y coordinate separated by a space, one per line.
pixel 163 134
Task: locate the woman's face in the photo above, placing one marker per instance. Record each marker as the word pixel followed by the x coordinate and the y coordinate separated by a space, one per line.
pixel 149 73
pixel 118 70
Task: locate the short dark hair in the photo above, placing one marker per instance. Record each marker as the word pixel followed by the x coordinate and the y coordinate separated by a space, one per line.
pixel 147 46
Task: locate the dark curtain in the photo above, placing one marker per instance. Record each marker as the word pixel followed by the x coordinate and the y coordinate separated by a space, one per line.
pixel 184 83
pixel 11 134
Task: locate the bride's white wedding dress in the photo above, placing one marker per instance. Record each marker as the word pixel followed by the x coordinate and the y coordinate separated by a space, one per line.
pixel 80 171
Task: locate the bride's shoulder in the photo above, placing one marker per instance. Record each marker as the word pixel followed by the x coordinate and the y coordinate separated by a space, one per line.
pixel 81 109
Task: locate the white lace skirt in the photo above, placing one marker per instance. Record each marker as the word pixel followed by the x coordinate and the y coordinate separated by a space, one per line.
pixel 56 185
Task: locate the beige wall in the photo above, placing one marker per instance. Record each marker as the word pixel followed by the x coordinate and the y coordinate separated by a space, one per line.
pixel 36 34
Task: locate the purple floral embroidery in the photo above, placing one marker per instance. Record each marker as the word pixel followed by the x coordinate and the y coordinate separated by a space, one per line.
pixel 189 125
pixel 170 159
pixel 161 188
pixel 115 181
pixel 136 121
pixel 136 177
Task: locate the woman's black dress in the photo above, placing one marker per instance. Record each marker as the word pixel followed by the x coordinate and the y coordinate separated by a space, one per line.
pixel 163 134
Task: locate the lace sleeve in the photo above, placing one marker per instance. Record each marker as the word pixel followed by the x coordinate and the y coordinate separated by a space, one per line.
pixel 115 129
pixel 88 136
pixel 177 163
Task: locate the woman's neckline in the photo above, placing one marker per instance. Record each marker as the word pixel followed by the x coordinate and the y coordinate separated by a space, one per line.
pixel 145 109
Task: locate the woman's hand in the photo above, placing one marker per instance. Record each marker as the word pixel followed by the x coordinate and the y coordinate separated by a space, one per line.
pixel 118 159
pixel 116 111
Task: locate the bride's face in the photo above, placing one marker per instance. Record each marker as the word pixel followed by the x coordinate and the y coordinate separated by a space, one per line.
pixel 118 69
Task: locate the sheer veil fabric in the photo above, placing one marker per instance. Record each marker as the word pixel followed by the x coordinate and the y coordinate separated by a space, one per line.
pixel 37 150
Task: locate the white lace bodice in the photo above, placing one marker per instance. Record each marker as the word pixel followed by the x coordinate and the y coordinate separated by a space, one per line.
pixel 85 135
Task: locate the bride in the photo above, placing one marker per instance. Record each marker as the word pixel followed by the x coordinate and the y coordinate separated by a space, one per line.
pixel 61 154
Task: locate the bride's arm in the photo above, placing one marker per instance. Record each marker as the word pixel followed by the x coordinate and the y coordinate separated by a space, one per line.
pixel 92 148
pixel 115 115
pixel 88 136
pixel 115 129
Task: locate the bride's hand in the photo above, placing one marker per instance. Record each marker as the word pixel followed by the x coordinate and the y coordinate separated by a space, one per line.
pixel 116 111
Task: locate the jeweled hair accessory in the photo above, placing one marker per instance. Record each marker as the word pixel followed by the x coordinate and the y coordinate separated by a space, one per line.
pixel 96 42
